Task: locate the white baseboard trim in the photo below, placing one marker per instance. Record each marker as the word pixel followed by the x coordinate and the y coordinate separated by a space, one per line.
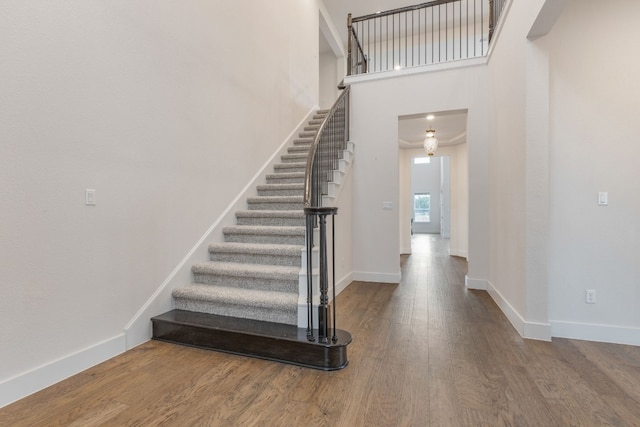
pixel 342 284
pixel 595 332
pixel 458 253
pixel 531 330
pixel 537 331
pixel 478 284
pixel 23 385
pixel 365 276
pixel 138 330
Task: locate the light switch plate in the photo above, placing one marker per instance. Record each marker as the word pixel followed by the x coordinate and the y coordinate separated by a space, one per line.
pixel 603 198
pixel 89 197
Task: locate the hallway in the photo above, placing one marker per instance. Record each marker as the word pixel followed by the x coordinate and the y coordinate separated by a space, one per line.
pixel 425 352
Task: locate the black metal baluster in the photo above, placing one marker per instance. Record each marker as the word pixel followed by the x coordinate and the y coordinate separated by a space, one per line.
pixel 334 338
pixel 323 306
pixel 482 27
pixel 309 235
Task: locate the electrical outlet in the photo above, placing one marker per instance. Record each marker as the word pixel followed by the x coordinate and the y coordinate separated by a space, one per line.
pixel 590 296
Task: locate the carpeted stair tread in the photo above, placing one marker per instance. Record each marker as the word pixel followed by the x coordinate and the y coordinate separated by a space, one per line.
pixel 288 235
pixel 298 166
pixel 280 176
pixel 265 229
pixel 234 269
pixel 271 217
pixel 303 141
pixel 238 296
pixel 272 190
pixel 294 158
pixel 283 199
pixel 299 149
pixel 275 202
pixel 273 187
pixel 255 248
pixel 255 213
pixel 257 253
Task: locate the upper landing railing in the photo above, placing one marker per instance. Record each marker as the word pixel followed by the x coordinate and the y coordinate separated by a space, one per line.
pixel 429 33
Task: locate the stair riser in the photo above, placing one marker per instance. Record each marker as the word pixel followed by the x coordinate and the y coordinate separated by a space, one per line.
pixel 298 150
pixel 233 310
pixel 285 180
pixel 264 259
pixel 276 206
pixel 293 158
pixel 289 168
pixel 292 192
pixel 287 222
pixel 259 238
pixel 302 142
pixel 263 284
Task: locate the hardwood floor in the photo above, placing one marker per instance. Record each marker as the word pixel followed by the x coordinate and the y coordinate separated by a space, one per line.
pixel 425 352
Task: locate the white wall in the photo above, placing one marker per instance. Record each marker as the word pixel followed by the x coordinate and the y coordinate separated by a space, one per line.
pixel 160 112
pixel 507 159
pixel 329 66
pixel 594 147
pixel 425 178
pixel 332 60
pixel 518 160
pixel 552 109
pixel 376 106
pixel 344 237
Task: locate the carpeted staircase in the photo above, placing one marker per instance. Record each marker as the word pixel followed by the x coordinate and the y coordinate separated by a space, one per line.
pixel 245 299
pixel 255 272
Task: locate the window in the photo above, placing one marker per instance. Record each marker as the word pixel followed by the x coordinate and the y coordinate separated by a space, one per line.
pixel 422 207
pixel 421 160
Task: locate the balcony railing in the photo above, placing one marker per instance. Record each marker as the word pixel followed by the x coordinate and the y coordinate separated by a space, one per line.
pixel 429 33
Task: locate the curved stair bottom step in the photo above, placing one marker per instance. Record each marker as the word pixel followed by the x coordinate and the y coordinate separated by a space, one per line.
pixel 263 340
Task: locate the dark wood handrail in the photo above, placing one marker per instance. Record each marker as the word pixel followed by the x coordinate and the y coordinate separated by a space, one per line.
pixel 402 9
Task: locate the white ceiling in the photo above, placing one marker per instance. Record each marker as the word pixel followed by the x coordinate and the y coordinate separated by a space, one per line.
pixel 450 127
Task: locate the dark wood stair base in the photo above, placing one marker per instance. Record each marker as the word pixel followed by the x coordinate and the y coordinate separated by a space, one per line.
pixel 253 338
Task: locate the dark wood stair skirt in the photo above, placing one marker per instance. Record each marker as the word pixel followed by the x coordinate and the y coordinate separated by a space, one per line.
pixel 264 340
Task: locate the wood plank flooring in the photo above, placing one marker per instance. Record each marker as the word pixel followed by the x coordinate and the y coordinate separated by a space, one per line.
pixel 426 352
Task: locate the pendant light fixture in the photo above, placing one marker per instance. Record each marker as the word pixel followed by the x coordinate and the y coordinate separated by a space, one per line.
pixel 431 142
